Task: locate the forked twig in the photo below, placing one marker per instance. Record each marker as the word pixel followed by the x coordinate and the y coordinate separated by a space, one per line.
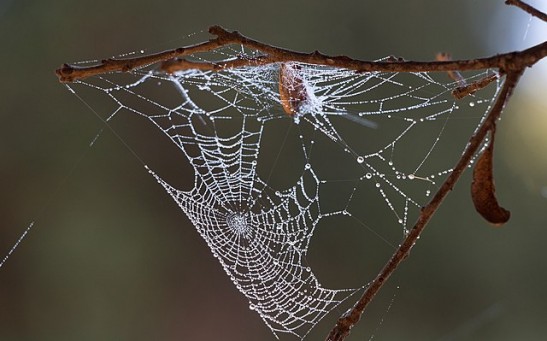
pixel 511 64
pixel 350 318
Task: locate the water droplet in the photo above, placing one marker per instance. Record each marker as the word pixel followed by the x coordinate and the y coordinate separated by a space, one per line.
pixel 307 166
pixel 368 176
pixel 411 176
pixel 142 51
pixel 471 104
pixel 360 159
pixel 400 221
pixel 378 184
pixel 278 193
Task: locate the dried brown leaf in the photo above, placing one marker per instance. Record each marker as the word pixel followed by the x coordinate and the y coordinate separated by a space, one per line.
pixel 483 190
pixel 292 90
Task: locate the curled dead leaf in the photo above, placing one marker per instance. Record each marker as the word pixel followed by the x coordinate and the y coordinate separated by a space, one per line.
pixel 292 90
pixel 483 190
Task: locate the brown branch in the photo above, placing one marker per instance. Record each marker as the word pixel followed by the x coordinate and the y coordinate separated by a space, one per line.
pixel 527 8
pixel 342 328
pixel 505 62
pixel 177 64
pixel 462 91
pixel 68 73
pixel 463 88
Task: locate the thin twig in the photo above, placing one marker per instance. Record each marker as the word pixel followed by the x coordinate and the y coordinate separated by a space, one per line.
pixel 342 328
pixel 527 8
pixel 462 91
pixel 68 73
pixel 177 64
pixel 506 61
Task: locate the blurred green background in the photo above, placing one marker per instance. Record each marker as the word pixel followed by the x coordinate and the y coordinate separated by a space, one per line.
pixel 111 257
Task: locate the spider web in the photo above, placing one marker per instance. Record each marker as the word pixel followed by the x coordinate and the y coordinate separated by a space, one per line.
pixel 385 130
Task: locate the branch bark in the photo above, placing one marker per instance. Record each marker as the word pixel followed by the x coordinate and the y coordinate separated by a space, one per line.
pixel 171 61
pixel 527 8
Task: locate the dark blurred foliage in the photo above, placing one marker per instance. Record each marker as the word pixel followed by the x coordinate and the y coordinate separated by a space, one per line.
pixel 111 257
